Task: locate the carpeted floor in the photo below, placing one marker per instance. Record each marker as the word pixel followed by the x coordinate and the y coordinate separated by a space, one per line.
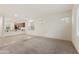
pixel 24 44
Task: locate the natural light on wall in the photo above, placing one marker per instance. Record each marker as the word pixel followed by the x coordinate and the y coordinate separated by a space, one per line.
pixel 66 19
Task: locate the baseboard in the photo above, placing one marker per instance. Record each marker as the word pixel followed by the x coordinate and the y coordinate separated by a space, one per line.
pixel 47 37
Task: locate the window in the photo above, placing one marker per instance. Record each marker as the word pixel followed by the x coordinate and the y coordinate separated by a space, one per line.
pixel 1 24
pixel 30 25
pixel 77 22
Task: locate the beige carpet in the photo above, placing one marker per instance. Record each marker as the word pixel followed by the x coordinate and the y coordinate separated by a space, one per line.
pixel 24 44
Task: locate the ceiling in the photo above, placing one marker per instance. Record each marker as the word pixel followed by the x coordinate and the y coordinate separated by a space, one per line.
pixel 33 10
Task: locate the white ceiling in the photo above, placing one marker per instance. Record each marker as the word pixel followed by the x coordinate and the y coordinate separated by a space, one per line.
pixel 33 10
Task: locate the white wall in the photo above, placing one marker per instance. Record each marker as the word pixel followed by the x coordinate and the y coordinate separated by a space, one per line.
pixel 53 27
pixel 75 38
